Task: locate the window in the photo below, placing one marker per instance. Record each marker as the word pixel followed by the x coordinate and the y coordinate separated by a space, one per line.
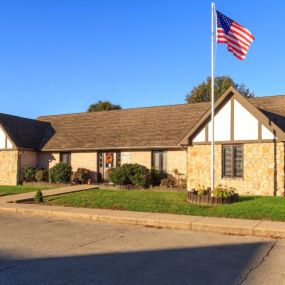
pixel 100 159
pixel 118 159
pixel 65 157
pixel 158 161
pixel 232 161
pixel 109 159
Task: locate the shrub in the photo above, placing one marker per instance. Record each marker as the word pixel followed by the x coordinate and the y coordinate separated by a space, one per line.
pixel 60 173
pixel 157 177
pixel 41 175
pixel 29 173
pixel 81 175
pixel 224 192
pixel 134 174
pixel 39 197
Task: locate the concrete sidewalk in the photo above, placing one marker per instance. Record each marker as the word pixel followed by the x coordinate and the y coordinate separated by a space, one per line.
pixel 195 223
pixel 49 192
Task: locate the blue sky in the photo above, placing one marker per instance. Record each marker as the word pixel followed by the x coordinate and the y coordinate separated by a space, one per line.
pixel 59 56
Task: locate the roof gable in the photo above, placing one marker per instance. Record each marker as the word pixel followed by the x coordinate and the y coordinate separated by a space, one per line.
pixel 5 140
pixel 25 133
pixel 248 105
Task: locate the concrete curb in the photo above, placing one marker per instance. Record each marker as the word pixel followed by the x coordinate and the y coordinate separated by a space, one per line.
pixel 218 225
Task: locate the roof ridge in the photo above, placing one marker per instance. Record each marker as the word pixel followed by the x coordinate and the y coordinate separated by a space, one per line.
pixel 19 117
pixel 126 109
pixel 268 96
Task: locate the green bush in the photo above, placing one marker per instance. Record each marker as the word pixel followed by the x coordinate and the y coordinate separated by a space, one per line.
pixel 157 177
pixel 134 174
pixel 29 173
pixel 38 198
pixel 41 175
pixel 81 175
pixel 60 173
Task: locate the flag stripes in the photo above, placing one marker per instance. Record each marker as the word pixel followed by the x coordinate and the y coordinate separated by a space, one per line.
pixel 236 37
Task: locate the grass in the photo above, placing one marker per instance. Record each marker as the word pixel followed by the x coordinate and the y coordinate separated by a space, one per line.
pixel 248 207
pixel 10 190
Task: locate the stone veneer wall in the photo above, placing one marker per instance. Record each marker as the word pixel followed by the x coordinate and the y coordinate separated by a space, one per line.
pixel 9 167
pixel 263 168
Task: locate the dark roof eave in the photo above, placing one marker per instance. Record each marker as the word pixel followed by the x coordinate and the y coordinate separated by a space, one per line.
pixel 113 148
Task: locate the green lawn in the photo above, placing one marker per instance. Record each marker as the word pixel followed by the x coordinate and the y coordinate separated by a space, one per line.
pixel 10 190
pixel 265 208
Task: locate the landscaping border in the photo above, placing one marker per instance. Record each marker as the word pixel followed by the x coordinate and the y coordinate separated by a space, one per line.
pixel 197 199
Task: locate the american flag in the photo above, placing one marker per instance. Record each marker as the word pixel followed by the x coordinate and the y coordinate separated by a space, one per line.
pixel 236 37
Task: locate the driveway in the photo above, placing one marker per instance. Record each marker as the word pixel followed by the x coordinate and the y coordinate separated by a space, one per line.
pixel 36 250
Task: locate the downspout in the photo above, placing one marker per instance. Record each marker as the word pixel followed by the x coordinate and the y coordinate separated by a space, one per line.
pixel 185 147
pixel 19 162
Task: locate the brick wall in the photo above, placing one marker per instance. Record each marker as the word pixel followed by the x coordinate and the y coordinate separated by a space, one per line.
pixel 48 159
pixel 28 158
pixel 141 157
pixel 176 159
pixel 85 160
pixel 263 168
pixel 8 167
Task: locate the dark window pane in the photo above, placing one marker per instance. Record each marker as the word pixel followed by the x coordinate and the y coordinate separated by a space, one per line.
pixel 227 161
pixel 100 159
pixel 238 161
pixel 164 161
pixel 118 159
pixel 159 160
pixel 65 157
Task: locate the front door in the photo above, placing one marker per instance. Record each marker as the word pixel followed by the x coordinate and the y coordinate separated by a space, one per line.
pixel 106 161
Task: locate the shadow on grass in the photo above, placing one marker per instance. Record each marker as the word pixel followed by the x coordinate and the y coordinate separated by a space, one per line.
pixel 222 265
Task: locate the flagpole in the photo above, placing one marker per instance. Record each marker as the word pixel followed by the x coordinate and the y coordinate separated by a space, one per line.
pixel 213 102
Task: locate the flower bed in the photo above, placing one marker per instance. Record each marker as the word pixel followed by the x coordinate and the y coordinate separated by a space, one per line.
pixel 220 195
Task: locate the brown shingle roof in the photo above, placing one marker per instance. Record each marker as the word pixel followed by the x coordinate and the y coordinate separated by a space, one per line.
pixel 25 133
pixel 273 107
pixel 162 126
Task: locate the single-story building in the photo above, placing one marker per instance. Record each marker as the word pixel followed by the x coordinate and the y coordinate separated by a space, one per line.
pixel 249 135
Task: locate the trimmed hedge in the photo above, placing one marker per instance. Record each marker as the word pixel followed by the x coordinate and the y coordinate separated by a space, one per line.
pixel 60 173
pixel 134 174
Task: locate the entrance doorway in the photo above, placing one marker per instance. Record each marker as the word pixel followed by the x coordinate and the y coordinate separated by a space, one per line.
pixel 107 160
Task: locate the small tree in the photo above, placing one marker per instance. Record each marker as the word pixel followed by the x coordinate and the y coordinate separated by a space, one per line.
pixel 60 173
pixel 103 106
pixel 39 197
